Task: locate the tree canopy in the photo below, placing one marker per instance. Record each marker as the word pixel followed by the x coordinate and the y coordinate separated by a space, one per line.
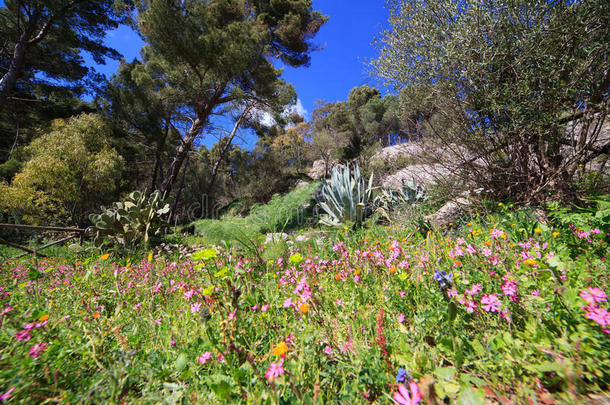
pixel 521 87
pixel 222 51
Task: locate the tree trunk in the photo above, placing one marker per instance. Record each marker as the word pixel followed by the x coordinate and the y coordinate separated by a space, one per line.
pixel 181 154
pixel 224 150
pixel 203 111
pixel 7 83
pixel 172 214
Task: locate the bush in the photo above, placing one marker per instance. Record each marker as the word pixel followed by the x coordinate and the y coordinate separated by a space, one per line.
pixel 73 168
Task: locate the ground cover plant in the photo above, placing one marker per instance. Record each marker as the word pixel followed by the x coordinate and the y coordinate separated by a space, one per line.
pixel 506 309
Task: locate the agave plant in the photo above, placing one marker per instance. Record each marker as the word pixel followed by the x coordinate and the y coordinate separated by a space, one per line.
pixel 345 197
pixel 409 193
pixel 389 197
pixel 131 222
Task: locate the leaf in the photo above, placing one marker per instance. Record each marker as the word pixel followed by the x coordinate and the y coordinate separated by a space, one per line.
pixel 208 290
pixel 470 396
pixel 34 274
pixel 452 311
pixel 478 348
pixel 181 363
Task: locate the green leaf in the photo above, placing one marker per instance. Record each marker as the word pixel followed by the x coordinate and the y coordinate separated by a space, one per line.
pixel 181 363
pixel 470 396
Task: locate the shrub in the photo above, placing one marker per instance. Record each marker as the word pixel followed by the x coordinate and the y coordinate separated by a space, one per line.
pixel 73 168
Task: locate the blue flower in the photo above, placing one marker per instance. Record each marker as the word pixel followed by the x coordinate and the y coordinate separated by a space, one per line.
pixel 444 279
pixel 401 376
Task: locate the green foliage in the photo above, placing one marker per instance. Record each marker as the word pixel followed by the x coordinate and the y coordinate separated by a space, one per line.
pixel 287 212
pixel 131 222
pixel 281 214
pixel 345 197
pixel 496 85
pixel 216 56
pixel 389 199
pixel 43 42
pixel 72 169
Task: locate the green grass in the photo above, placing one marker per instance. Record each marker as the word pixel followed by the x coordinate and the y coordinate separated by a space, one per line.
pixel 282 214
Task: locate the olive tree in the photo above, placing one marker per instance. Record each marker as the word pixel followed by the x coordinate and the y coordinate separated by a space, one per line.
pixel 518 90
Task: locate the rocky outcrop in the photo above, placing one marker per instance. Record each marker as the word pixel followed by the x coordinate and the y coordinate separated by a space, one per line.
pixel 423 175
pixel 318 170
pixel 403 150
pixel 449 213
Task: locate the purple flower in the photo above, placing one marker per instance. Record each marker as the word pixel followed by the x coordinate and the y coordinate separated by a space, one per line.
pixel 490 303
pixel 23 336
pixel 38 349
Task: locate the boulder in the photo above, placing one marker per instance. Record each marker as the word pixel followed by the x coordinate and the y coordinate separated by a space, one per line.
pixel 449 213
pixel 423 175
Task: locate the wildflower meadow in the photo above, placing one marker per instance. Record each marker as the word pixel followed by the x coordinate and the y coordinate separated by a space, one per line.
pixel 493 313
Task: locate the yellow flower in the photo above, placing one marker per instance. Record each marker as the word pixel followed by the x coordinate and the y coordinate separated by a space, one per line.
pixel 537 230
pixel 150 257
pixel 500 204
pixel 531 262
pixel 555 234
pixel 304 308
pixel 392 269
pixel 357 272
pixel 280 349
pixel 105 257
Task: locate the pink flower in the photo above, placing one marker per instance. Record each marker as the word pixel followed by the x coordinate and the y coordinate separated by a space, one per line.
pixel 288 303
pixel 6 310
pixel 593 295
pixel 29 326
pixel 7 394
pixel 339 303
pixel 189 294
pixel 38 349
pixel 205 357
pixel 347 346
pixel 195 307
pixel 23 336
pixel 496 233
pixel 232 315
pixel 275 370
pixel 599 315
pixel 328 350
pixel 510 290
pixel 404 398
pixel 220 358
pixel 401 318
pixel 157 321
pixel 265 307
pixel 452 293
pixel 172 343
pixel 490 303
pixel 470 307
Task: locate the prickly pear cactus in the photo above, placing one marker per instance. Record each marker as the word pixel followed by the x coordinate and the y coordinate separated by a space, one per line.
pixel 131 222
